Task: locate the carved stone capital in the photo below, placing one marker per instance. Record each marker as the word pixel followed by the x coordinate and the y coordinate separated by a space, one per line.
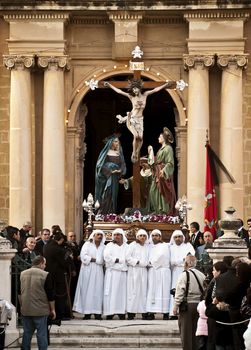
pixel 232 61
pixel 18 62
pixel 53 62
pixel 195 61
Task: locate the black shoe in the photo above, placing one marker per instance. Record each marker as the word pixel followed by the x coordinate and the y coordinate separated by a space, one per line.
pixel 166 316
pixel 97 317
pixel 109 317
pixel 121 316
pixel 130 316
pixel 149 316
pixel 173 317
pixel 87 317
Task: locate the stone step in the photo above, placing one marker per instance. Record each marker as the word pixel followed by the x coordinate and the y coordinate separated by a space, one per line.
pixel 115 334
pixel 75 348
pixel 117 342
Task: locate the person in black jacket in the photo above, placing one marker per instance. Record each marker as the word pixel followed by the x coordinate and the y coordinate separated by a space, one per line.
pixel 196 236
pixel 45 237
pixel 58 263
pixel 231 287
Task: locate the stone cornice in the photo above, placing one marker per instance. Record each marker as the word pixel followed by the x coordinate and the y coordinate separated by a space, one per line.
pixel 90 20
pixel 18 62
pixel 37 16
pixel 216 15
pixel 195 61
pixel 53 62
pixel 168 19
pixel 125 15
pixel 232 61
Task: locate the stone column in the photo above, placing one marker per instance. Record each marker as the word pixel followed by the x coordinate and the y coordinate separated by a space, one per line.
pixel 231 131
pixel 181 154
pixel 53 141
pixel 198 123
pixel 20 139
pixel 6 254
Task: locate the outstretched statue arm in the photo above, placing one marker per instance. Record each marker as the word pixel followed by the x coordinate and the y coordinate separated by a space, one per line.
pixel 168 85
pixel 119 91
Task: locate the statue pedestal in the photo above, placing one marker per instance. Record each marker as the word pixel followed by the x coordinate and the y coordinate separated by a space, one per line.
pixel 229 243
pixel 6 254
pixel 132 227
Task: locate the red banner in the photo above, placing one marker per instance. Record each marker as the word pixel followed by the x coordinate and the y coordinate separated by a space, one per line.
pixel 210 211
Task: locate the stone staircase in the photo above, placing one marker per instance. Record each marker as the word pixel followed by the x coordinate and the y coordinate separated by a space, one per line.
pixel 113 335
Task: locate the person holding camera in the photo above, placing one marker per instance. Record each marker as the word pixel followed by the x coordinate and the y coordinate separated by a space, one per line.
pixel 188 294
pixel 60 265
pixel 37 302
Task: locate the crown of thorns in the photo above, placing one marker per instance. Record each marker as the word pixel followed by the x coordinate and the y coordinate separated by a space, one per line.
pixel 138 83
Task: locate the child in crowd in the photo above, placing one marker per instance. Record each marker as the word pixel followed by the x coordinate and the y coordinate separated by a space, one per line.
pixel 202 330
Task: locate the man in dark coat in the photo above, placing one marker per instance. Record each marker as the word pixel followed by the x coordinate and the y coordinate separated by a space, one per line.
pixel 197 236
pixel 231 289
pixel 45 237
pixel 58 263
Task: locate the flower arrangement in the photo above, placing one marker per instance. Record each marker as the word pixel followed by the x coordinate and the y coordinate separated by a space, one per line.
pixel 137 216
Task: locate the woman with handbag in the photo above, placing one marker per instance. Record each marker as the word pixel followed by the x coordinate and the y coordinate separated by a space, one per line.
pixel 189 291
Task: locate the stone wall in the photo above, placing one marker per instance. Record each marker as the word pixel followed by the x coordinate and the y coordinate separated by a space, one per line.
pixel 4 125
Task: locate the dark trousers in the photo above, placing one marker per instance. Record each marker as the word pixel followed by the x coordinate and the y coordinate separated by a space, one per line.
pixel 2 337
pixel 201 342
pixel 187 325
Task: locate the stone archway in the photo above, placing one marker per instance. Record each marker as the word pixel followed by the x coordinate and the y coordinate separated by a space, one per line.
pixel 76 149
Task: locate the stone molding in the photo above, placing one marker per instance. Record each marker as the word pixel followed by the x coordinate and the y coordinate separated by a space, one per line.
pixel 90 20
pixel 195 61
pixel 35 16
pixel 125 16
pixel 217 15
pixel 163 20
pixel 232 61
pixel 53 62
pixel 18 62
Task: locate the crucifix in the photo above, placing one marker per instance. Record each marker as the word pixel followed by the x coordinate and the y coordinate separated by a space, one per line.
pixel 134 118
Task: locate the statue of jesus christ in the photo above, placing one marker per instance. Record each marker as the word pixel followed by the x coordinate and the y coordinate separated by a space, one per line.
pixel 134 119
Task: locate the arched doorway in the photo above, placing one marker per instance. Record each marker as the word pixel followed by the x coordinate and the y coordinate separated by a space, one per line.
pixel 103 105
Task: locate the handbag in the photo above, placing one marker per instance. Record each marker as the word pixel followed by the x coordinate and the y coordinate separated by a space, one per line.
pixel 184 305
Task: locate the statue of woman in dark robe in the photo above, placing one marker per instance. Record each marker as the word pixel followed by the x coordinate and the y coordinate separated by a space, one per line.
pixel 109 169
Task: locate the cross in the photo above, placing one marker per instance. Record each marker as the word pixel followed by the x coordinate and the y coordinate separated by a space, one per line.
pixel 137 66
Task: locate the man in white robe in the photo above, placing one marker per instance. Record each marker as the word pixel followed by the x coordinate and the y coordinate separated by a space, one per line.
pixel 178 251
pixel 159 277
pixel 115 276
pixel 90 288
pixel 137 260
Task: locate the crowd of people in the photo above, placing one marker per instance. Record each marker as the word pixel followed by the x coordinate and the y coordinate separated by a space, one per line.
pixel 146 277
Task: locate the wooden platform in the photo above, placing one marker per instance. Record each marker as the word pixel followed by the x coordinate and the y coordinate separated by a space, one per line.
pixel 132 228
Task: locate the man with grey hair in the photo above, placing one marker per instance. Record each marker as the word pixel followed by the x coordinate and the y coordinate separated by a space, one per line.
pixel 25 231
pixel 189 286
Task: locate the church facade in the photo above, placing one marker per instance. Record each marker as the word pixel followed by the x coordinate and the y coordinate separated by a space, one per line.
pixel 52 124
